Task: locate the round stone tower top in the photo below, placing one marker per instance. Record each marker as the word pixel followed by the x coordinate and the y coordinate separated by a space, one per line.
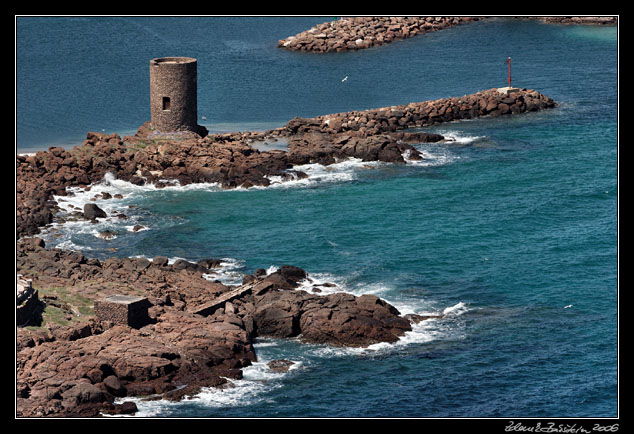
pixel 161 60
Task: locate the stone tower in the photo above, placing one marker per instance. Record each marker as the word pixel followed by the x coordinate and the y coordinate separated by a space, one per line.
pixel 173 95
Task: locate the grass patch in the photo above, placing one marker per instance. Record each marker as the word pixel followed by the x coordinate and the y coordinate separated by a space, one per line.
pixel 64 307
pixel 55 315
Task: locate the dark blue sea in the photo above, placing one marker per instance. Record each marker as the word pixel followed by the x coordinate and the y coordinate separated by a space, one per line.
pixel 510 228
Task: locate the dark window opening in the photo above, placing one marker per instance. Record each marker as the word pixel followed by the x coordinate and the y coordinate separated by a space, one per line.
pixel 166 103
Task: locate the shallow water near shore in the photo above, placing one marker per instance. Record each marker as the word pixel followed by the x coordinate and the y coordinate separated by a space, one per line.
pixel 509 227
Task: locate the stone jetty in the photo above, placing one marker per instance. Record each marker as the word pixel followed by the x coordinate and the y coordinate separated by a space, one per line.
pixel 599 21
pixel 492 102
pixel 357 33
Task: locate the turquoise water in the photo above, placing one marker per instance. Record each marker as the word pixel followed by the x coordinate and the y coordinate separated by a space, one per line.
pixel 511 229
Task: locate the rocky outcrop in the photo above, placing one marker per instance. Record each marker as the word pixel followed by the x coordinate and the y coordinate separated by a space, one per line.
pixel 79 369
pixel 357 33
pixel 276 309
pixel 173 358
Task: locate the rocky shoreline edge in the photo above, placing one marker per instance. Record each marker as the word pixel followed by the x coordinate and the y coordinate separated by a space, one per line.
pixel 79 366
pixel 357 33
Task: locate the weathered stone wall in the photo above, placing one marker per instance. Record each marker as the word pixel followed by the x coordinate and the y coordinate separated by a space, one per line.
pixel 174 78
pixel 130 311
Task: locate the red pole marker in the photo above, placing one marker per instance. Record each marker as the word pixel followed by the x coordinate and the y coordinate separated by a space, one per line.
pixel 508 61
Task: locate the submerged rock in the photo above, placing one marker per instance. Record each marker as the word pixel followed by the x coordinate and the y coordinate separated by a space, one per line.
pixel 107 235
pixel 280 365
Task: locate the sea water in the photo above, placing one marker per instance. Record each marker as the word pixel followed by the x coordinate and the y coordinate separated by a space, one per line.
pixel 509 227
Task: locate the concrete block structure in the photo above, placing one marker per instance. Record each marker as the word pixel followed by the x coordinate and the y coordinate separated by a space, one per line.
pixel 507 90
pixel 123 310
pixel 173 95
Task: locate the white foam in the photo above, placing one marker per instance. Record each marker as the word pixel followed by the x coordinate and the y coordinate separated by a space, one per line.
pixel 349 169
pixel 122 194
pixel 456 310
pixel 341 171
pixel 345 170
pixel 69 245
pixel 272 269
pixel 99 234
pixel 130 228
pixel 228 273
pixel 433 155
pixel 423 332
pixel 316 280
pixel 426 331
pixel 257 381
pixel 460 137
pixel 243 392
pixel 111 185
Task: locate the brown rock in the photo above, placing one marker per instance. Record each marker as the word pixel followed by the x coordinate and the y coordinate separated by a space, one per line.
pixel 84 393
pixel 280 365
pixel 92 211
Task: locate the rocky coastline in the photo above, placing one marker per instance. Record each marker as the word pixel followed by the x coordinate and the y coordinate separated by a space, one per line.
pixel 79 369
pixel 357 33
pixel 78 365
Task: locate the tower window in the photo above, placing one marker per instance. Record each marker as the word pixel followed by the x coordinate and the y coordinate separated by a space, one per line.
pixel 166 103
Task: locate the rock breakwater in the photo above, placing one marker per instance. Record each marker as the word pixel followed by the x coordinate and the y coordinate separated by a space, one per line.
pixel 586 20
pixel 357 33
pixel 491 102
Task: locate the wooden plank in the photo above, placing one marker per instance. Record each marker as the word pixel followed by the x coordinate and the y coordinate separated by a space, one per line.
pixel 211 306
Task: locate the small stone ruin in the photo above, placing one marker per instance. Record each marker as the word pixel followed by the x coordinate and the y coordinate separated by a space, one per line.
pixel 123 310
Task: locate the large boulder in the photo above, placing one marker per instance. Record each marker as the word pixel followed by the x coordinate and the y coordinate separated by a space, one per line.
pixel 92 211
pixel 339 319
pixel 345 320
pixel 277 313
